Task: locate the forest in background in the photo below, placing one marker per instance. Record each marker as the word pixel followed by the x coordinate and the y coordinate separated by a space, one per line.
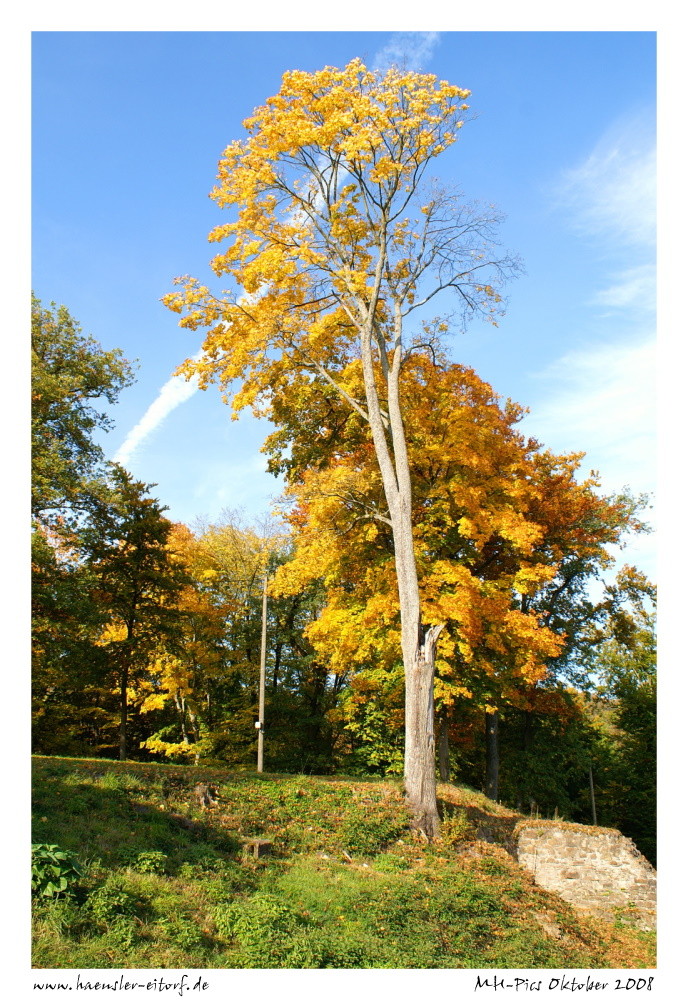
pixel 147 633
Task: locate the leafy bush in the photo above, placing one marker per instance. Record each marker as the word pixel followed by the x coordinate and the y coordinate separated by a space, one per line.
pixel 110 901
pixel 53 871
pixel 271 933
pixel 182 931
pixel 154 862
pixel 370 834
pixel 122 932
pixel 200 858
pixel 223 885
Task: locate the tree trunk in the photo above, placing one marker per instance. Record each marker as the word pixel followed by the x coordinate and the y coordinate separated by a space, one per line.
pixel 181 712
pixel 418 649
pixel 492 755
pixel 276 668
pixel 419 748
pixel 526 741
pixel 123 681
pixel 443 744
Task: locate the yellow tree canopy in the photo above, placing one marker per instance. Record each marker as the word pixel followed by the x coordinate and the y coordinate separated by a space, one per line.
pixel 330 232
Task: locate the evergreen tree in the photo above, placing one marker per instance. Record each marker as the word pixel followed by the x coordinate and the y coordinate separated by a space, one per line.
pixel 136 580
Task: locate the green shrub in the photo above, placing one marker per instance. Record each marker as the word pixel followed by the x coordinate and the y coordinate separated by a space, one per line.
pixel 111 900
pixel 271 933
pixel 182 931
pixel 200 858
pixel 225 916
pixel 122 932
pixel 369 834
pixel 231 880
pixel 54 872
pixel 154 862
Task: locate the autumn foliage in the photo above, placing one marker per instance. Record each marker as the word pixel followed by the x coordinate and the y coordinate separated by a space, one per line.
pixel 335 245
pixel 433 578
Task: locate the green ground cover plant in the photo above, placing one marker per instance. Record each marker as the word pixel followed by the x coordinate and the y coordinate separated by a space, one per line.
pixel 53 871
pixel 161 883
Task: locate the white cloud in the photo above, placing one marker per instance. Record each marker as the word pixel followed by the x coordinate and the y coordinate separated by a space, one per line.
pixel 602 398
pixel 602 401
pixel 407 49
pixel 612 193
pixel 634 286
pixel 173 393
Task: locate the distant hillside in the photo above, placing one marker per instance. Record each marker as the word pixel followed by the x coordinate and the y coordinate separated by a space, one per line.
pixel 168 883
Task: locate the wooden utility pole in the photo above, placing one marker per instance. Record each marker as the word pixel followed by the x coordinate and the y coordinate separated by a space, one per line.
pixel 260 725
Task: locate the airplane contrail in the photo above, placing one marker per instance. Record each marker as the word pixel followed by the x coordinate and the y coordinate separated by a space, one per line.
pixel 172 394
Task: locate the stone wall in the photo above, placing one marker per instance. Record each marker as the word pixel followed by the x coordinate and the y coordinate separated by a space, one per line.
pixel 591 867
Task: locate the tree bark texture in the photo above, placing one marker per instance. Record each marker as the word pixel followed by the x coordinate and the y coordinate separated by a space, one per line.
pixel 419 748
pixel 492 755
pixel 123 681
pixel 418 647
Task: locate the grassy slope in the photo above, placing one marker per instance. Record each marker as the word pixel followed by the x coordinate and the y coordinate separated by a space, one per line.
pixel 165 885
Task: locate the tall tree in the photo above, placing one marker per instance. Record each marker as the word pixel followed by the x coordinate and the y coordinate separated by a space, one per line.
pixel 473 488
pixel 73 381
pixel 217 661
pixel 507 538
pixel 72 378
pixel 332 252
pixel 136 580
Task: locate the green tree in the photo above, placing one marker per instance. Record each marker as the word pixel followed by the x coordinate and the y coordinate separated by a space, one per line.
pixel 72 706
pixel 72 378
pixel 74 381
pixel 203 699
pixel 137 582
pixel 626 665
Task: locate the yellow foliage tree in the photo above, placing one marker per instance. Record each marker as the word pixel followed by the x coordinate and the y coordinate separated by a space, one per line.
pixel 504 534
pixel 225 565
pixel 334 251
pixel 478 546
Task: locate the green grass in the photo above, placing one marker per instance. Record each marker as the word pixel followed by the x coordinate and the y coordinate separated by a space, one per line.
pixel 165 885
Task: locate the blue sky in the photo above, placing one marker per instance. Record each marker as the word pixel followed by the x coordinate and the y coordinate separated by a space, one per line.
pixel 127 131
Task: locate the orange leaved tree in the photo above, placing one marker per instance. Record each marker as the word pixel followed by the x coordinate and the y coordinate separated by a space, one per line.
pixel 479 552
pixel 335 254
